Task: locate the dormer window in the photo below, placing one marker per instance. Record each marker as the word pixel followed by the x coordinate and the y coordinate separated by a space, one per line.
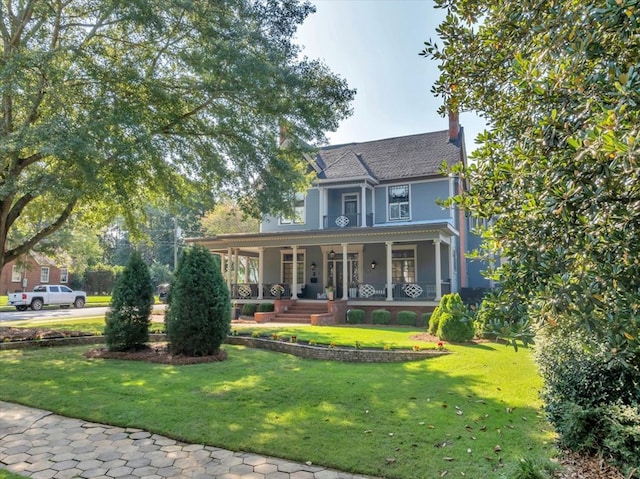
pixel 298 210
pixel 398 202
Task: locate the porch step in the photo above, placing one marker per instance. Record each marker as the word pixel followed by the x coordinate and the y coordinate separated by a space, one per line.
pixel 301 312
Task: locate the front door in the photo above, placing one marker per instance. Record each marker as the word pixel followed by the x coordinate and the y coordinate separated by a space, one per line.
pixel 350 208
pixel 335 273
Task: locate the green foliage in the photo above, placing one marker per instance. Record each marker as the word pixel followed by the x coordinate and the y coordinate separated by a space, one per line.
pixel 355 316
pixel 434 319
pixel 199 312
pixel 127 322
pixel 407 318
pixel 592 400
pixel 453 323
pixel 266 307
pixel 101 122
pixel 249 309
pixel 425 318
pixel 380 316
pixel 556 176
pixel 532 468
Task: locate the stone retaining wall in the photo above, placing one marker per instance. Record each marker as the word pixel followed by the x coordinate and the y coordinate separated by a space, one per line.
pixel 335 354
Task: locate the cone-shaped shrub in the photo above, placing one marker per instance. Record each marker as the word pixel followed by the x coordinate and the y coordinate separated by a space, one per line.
pixel 127 322
pixel 199 313
pixel 453 324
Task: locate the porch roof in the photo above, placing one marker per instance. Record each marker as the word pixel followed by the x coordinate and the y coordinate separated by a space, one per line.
pixel 443 231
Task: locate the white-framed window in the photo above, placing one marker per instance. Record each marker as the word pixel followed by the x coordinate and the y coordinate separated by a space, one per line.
pixel 16 273
pixel 64 275
pixel 403 264
pixel 287 267
pixel 298 212
pixel 44 274
pixel 398 199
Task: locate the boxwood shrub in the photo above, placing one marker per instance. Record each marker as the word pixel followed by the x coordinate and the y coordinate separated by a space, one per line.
pixel 249 309
pixel 355 316
pixel 407 318
pixel 380 316
pixel 265 307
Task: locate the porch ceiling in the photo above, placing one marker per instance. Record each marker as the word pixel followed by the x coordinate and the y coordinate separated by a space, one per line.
pixel 443 231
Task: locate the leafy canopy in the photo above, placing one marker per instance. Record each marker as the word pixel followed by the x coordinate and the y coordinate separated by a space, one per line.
pixel 107 106
pixel 558 171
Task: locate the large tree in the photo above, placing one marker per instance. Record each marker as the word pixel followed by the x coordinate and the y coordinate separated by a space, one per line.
pixel 558 172
pixel 109 105
pixel 557 177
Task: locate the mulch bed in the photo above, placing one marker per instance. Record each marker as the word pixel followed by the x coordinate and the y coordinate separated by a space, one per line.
pixel 154 353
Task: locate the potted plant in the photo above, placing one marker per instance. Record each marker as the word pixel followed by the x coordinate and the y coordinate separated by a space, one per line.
pixel 330 292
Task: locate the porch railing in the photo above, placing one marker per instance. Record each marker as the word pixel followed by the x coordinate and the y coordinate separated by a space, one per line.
pixel 363 291
pixel 346 221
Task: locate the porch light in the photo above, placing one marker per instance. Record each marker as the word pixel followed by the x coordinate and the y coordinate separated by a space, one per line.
pixel 332 254
pixel 373 264
pixel 313 266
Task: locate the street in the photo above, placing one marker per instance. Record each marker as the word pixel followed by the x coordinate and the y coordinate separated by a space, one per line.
pixel 59 313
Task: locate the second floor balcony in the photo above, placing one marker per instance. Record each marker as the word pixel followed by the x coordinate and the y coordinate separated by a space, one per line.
pixel 346 221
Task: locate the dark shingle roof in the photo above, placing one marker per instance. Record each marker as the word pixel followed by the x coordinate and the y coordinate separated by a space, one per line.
pixel 390 159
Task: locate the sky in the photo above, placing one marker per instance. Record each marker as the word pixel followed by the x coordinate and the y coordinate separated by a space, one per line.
pixel 374 45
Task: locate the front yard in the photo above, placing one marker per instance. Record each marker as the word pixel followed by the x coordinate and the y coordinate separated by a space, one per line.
pixel 474 413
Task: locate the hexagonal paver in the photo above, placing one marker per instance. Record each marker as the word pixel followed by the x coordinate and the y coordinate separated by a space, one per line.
pixel 119 471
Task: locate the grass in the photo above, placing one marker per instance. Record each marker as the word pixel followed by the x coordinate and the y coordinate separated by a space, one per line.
pixel 408 420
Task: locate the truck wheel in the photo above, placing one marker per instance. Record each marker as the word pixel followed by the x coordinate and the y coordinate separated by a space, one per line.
pixel 36 304
pixel 22 308
pixel 79 303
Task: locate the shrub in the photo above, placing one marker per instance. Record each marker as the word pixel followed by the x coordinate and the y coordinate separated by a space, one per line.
pixel 355 316
pixel 127 322
pixel 265 307
pixel 434 320
pixel 407 318
pixel 425 318
pixel 592 399
pixel 380 316
pixel 452 321
pixel 199 313
pixel 249 309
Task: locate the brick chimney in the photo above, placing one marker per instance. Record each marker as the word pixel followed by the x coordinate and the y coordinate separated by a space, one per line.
pixel 454 125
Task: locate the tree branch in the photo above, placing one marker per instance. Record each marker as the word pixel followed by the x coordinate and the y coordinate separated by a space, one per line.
pixel 52 228
pixel 16 209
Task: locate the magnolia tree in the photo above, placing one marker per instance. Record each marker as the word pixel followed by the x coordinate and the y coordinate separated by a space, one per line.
pixel 557 173
pixel 107 106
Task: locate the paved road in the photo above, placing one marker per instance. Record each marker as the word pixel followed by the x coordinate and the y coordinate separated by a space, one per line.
pixel 58 313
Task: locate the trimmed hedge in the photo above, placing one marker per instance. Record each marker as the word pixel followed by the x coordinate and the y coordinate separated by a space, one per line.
pixel 249 309
pixel 407 318
pixel 266 307
pixel 355 316
pixel 380 316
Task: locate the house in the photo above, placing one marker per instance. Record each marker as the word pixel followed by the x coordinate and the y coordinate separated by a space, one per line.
pixel 370 227
pixel 31 270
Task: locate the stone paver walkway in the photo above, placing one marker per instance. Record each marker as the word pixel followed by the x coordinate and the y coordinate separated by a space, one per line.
pixel 40 444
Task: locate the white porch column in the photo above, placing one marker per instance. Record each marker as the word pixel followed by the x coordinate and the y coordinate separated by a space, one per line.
pixel 363 206
pixel 389 270
pixel 246 268
pixel 229 259
pixel 294 286
pixel 453 282
pixel 260 270
pixel 235 266
pixel 345 272
pixel 321 193
pixel 438 270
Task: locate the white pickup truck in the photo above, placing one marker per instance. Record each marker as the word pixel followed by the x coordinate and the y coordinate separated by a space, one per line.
pixel 47 294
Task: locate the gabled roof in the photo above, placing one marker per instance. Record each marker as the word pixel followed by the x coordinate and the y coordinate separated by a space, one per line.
pixel 390 159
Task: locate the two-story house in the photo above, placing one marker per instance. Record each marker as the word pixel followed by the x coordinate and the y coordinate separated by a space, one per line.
pixel 370 227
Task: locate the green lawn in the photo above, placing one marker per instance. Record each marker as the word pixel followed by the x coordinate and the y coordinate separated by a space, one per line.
pixel 409 420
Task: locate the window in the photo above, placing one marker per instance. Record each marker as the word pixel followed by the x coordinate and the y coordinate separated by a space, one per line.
pixel 398 197
pixel 44 274
pixel 64 275
pixel 54 289
pixel 287 268
pixel 64 289
pixel 16 274
pixel 403 265
pixel 298 212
